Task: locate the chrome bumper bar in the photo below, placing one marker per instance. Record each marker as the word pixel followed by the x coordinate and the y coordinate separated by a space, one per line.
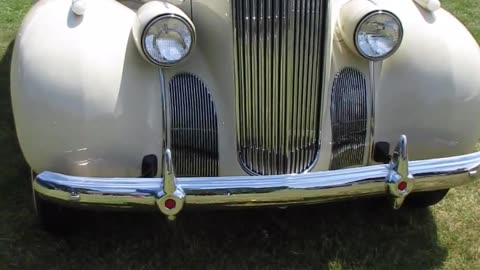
pixel 170 194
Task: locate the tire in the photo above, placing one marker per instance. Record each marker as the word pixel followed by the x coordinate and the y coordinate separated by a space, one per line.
pixel 425 199
pixel 52 217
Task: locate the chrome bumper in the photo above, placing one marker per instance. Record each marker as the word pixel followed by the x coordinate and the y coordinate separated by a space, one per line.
pixel 170 194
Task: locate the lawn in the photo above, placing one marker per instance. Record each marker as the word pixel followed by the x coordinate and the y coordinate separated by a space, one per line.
pixel 351 235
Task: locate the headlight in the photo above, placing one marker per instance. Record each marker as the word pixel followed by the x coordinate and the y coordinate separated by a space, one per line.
pixel 378 35
pixel 163 33
pixel 168 39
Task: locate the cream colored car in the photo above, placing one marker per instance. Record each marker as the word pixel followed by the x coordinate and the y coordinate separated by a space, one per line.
pixel 243 103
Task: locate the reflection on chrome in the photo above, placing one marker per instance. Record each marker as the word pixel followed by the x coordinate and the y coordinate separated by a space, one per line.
pixel 278 190
pixel 278 84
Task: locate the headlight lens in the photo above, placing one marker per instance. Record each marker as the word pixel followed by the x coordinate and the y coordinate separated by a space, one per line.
pixel 378 35
pixel 168 39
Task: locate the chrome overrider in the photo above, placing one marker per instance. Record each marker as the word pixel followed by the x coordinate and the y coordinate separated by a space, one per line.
pixel 170 194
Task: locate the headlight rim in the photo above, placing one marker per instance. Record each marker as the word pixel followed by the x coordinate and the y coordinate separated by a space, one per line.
pixel 154 20
pixel 365 18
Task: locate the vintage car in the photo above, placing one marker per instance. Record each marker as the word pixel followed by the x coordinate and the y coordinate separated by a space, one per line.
pixel 178 104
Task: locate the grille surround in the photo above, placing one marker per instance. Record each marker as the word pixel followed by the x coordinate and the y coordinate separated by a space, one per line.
pixel 193 126
pixel 278 48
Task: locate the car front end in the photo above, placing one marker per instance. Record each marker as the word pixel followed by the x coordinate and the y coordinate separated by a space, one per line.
pixel 243 103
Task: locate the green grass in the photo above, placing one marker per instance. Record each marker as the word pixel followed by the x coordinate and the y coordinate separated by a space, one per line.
pixel 468 12
pixel 351 235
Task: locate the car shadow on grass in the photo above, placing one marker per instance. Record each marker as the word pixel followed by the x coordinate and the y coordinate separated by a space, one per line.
pixel 12 164
pixel 362 234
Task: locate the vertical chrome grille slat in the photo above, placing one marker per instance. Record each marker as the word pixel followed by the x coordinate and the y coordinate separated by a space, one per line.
pixel 259 82
pixel 304 78
pixel 278 70
pixel 268 86
pixel 283 130
pixel 275 86
pixel 315 53
pixel 295 79
pixel 194 127
pixel 348 118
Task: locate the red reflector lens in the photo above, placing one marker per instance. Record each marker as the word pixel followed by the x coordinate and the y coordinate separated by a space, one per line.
pixel 170 203
pixel 402 186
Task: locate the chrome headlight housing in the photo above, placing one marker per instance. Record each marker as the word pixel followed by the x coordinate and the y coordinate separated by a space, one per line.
pixel 168 39
pixel 378 35
pixel 163 33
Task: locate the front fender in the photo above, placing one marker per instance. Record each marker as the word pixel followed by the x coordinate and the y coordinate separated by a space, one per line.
pixel 430 88
pixel 84 100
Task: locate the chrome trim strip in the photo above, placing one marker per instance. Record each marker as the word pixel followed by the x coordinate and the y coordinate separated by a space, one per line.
pixel 371 135
pixel 166 112
pixel 326 186
pixel 170 189
pixel 278 50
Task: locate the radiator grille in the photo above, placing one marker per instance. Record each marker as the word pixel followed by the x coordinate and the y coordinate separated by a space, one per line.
pixel 194 127
pixel 349 119
pixel 278 61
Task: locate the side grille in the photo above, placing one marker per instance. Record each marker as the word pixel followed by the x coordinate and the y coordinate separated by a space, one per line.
pixel 194 127
pixel 278 70
pixel 349 119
